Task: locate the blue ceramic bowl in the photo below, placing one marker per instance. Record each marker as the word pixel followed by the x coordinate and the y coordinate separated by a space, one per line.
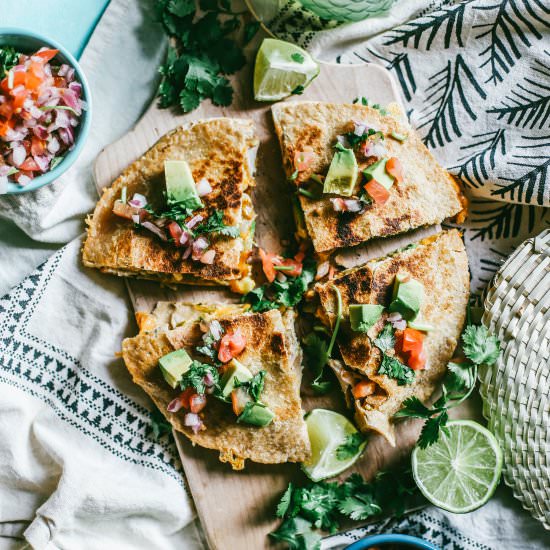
pixel 405 540
pixel 26 42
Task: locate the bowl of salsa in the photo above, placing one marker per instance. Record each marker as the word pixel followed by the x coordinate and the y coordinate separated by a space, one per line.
pixel 45 110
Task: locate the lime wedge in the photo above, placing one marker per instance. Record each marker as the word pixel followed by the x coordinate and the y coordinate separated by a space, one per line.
pixel 327 431
pixel 281 68
pixel 461 471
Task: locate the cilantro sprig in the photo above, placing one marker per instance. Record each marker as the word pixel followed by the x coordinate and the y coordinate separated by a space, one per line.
pixel 479 348
pixel 282 293
pixel 323 506
pixel 202 51
pixel 390 365
pixel 194 377
pixel 254 386
pixel 215 224
pixel 8 59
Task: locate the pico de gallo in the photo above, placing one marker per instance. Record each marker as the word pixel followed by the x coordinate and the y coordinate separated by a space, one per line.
pixel 41 106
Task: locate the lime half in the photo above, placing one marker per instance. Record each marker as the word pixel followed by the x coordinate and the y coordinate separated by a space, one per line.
pixel 327 432
pixel 461 471
pixel 281 68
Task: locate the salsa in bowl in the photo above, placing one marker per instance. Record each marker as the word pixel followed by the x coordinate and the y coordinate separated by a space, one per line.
pixel 44 110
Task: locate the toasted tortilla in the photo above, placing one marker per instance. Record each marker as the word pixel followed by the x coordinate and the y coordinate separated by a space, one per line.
pixel 441 265
pixel 428 195
pixel 271 345
pixel 220 150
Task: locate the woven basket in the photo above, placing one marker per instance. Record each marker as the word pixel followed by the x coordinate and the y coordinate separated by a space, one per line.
pixel 516 391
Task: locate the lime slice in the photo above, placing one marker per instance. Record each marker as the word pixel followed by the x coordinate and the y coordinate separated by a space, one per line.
pixel 461 471
pixel 328 430
pixel 281 68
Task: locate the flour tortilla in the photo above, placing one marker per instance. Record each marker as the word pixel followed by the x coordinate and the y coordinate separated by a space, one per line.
pixel 271 346
pixel 441 265
pixel 428 195
pixel 216 149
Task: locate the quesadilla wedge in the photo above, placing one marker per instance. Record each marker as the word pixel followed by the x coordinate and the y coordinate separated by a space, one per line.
pixel 401 320
pixel 181 213
pixel 236 388
pixel 359 174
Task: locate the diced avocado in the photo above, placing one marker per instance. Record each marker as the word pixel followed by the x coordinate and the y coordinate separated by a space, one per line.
pixel 174 365
pixel 420 325
pixel 378 172
pixel 256 414
pixel 342 173
pixel 364 316
pixel 234 371
pixel 407 297
pixel 180 185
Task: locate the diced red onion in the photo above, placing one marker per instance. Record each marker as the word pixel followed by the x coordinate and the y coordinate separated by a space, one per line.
pixel 175 405
pixel 53 145
pixel 186 253
pixel 138 200
pixel 63 70
pixel 337 204
pixel 322 270
pixel 400 325
pixel 394 316
pixel 359 128
pixel 208 257
pixel 66 135
pixel 208 379
pixel 199 246
pixel 342 140
pixel 18 155
pixel 216 330
pixel 353 205
pixel 3 184
pixel 281 277
pixel 62 118
pixel 16 134
pixel 41 132
pixel 136 219
pixel 203 187
pixel 193 421
pixel 185 238
pixel 23 180
pixel 194 221
pixel 76 87
pixel 68 97
pixel 5 170
pixel 154 229
pixel 70 75
pixel 43 162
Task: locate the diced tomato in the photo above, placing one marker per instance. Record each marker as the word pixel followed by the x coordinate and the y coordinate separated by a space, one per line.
pixel 30 165
pixel 394 168
pixel 22 173
pixel 267 264
pixel 5 127
pixel 377 192
pixel 412 345
pixel 34 77
pixel 296 267
pixel 301 254
pixel 19 100
pixel 231 344
pixel 19 78
pixel 185 397
pixel 175 232
pixel 46 55
pixel 38 146
pixel 197 402
pixel 59 82
pixel 363 389
pixel 303 160
pixel 412 340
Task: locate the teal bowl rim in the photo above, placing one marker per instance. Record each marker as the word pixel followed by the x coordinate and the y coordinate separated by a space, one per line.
pixel 390 538
pixel 82 130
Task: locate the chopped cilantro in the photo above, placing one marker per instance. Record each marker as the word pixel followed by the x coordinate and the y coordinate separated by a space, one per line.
pixel 299 90
pixel 8 59
pixel 215 224
pixel 386 339
pixel 298 57
pixel 480 347
pixel 350 447
pixel 254 386
pixel 194 377
pixel 392 367
pixel 354 140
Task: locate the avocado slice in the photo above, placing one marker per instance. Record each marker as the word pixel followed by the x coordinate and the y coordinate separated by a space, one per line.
pixel 363 316
pixel 234 371
pixel 420 325
pixel 378 172
pixel 180 185
pixel 174 365
pixel 408 296
pixel 342 173
pixel 256 414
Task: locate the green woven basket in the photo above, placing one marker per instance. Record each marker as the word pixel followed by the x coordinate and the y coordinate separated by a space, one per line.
pixel 516 391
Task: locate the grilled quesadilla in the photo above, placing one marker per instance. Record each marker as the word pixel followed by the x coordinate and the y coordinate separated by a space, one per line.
pixel 227 379
pixel 181 213
pixel 359 174
pixel 401 319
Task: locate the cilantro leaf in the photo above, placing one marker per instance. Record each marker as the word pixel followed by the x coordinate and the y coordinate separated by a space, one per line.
pixel 194 377
pixel 459 377
pixel 392 367
pixel 189 100
pixel 479 346
pixel 257 299
pixel 430 430
pixel 386 339
pixel 254 386
pixel 350 447
pixel 413 407
pixel 298 534
pixel 181 8
pixel 298 57
pixel 8 59
pixel 284 503
pixel 222 94
pixel 159 424
pixel 360 507
pixel 299 90
pixel 215 224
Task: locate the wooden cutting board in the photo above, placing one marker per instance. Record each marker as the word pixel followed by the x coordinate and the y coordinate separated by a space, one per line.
pixel 237 508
